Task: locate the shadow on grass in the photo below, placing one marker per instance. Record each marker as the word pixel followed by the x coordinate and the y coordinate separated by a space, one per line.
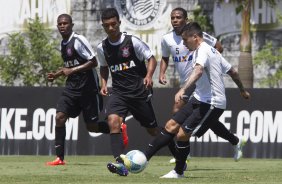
pixel 214 169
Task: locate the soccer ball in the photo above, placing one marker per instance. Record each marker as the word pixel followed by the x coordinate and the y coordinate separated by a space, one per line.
pixel 135 161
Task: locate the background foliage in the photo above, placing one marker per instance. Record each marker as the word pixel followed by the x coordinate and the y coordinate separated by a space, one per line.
pixel 270 57
pixel 32 55
pixel 198 15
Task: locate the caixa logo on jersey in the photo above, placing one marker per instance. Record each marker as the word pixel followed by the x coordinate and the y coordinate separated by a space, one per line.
pixel 139 14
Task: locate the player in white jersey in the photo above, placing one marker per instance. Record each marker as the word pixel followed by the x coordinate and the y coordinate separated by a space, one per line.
pixel 172 44
pixel 205 107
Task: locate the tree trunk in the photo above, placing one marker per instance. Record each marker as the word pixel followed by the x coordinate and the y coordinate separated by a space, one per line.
pixel 245 67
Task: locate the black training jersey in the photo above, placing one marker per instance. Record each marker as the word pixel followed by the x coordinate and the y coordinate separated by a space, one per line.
pixel 77 51
pixel 127 68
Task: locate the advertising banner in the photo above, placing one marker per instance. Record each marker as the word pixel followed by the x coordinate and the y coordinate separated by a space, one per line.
pixel 27 121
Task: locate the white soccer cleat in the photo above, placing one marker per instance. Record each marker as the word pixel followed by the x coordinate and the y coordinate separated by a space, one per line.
pixel 173 174
pixel 238 150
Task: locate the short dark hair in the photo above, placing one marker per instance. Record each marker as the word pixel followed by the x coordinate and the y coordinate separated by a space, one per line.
pixel 193 28
pixel 66 16
pixel 184 12
pixel 110 13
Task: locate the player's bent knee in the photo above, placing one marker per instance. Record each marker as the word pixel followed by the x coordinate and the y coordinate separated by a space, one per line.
pixel 114 122
pixel 172 126
pixel 153 131
pixel 182 135
pixel 61 119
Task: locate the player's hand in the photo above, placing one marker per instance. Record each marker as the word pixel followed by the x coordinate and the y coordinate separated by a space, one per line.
pixel 245 94
pixel 179 95
pixel 162 79
pixel 148 82
pixel 51 77
pixel 104 91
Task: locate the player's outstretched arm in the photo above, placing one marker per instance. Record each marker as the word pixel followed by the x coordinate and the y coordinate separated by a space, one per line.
pixel 53 75
pixel 86 66
pixel 104 72
pixel 163 67
pixel 236 78
pixel 152 64
pixel 195 75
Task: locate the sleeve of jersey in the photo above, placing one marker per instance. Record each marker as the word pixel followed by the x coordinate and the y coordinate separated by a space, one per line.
pixel 209 39
pixel 165 48
pixel 201 56
pixel 142 50
pixel 226 66
pixel 83 48
pixel 101 56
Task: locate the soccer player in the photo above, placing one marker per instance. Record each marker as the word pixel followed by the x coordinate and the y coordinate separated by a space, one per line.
pixel 207 104
pixel 124 55
pixel 81 92
pixel 172 44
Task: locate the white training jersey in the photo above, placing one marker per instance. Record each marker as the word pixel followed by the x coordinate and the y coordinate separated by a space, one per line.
pixel 210 86
pixel 142 50
pixel 172 44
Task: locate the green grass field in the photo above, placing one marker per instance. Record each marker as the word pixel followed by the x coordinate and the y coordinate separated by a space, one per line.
pixel 92 169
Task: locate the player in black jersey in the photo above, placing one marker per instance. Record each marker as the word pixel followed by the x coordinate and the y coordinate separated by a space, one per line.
pixel 124 55
pixel 81 92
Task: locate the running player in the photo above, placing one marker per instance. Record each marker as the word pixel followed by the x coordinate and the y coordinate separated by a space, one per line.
pixel 207 104
pixel 124 55
pixel 172 44
pixel 81 92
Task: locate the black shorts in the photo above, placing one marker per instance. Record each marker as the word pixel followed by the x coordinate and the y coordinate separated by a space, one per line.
pixel 89 103
pixel 197 117
pixel 141 109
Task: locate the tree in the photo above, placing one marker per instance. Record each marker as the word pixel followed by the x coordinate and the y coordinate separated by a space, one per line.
pixel 11 66
pixel 32 55
pixel 271 59
pixel 200 17
pixel 245 67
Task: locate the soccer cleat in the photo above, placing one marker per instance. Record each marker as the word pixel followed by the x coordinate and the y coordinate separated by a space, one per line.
pixel 238 150
pixel 124 134
pixel 56 162
pixel 117 168
pixel 172 174
pixel 126 161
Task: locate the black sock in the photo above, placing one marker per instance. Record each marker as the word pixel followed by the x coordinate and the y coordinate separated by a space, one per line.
pixel 162 139
pixel 181 154
pixel 220 130
pixel 117 146
pixel 172 147
pixel 103 127
pixel 60 136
